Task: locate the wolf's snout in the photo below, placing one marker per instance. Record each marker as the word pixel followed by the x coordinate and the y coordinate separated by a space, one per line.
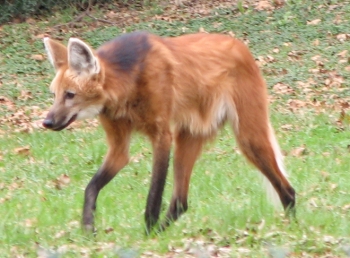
pixel 48 123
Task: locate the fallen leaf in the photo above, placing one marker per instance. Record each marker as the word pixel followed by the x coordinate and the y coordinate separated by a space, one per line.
pixel 263 5
pixel 202 30
pixel 313 203
pixel 276 50
pixel 337 20
pixel 22 150
pixel 282 88
pixel 287 127
pixel 30 21
pixel 278 3
pixel 137 158
pixel 346 207
pixel 343 53
pixel 325 175
pixel 37 57
pixel 60 234
pixel 108 230
pixel 25 95
pixel 329 239
pixel 316 42
pixel 233 35
pixel 30 222
pixel 333 186
pixel 314 22
pixel 342 37
pixel 6 102
pixel 296 104
pixel 62 181
pixel 299 151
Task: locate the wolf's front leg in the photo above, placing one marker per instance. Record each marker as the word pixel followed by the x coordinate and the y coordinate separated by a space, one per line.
pixel 118 137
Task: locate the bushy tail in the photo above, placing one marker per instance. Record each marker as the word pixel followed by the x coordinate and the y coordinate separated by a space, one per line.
pixel 271 192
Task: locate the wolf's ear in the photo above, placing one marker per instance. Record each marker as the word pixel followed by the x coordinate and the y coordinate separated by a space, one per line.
pixel 81 58
pixel 56 52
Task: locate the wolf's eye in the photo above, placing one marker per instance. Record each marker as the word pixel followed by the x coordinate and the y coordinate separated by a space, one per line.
pixel 69 95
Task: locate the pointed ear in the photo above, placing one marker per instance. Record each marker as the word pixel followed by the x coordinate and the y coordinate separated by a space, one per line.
pixel 81 58
pixel 56 52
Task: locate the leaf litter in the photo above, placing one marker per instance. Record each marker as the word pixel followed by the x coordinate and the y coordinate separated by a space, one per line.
pixel 28 119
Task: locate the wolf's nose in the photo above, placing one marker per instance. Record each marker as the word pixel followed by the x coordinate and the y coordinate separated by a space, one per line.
pixel 48 123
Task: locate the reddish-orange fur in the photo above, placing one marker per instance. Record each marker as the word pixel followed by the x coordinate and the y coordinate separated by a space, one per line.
pixel 180 89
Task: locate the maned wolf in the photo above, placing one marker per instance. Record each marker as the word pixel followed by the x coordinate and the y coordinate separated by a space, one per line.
pixel 180 89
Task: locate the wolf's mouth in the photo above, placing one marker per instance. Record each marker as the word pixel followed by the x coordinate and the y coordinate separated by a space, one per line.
pixel 66 124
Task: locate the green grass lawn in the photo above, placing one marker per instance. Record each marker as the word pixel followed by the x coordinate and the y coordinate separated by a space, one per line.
pixel 43 174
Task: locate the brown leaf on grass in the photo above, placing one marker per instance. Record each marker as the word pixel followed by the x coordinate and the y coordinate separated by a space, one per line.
pixel 295 55
pixel 287 127
pixel 279 3
pixel 30 21
pixel 344 104
pixel 37 57
pixel 281 88
pixel 24 120
pixel 202 30
pixel 60 234
pixel 316 42
pixel 314 22
pixel 325 175
pixel 296 104
pixel 346 207
pixel 343 53
pixel 74 224
pixel 264 6
pixel 344 118
pixel 15 185
pixel 29 223
pixel 232 34
pixel 306 86
pixel 334 79
pixel 109 230
pixel 338 20
pixel 7 103
pixel 276 50
pixel 312 202
pixel 137 158
pixel 25 151
pixel 4 199
pixel 263 60
pixel 25 95
pixel 62 181
pixel 343 37
pixel 298 152
pixel 333 186
pixel 319 60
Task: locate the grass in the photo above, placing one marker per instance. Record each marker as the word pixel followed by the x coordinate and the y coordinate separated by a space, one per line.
pixel 41 212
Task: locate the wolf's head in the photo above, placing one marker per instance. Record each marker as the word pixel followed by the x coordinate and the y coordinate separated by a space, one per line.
pixel 77 86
